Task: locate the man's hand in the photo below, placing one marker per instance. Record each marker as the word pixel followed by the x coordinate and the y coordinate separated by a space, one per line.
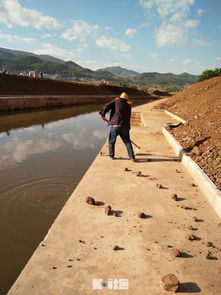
pixel 103 118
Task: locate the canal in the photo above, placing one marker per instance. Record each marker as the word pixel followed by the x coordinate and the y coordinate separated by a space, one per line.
pixel 43 156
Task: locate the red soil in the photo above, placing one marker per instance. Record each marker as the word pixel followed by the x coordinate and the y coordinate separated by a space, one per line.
pixel 20 85
pixel 200 105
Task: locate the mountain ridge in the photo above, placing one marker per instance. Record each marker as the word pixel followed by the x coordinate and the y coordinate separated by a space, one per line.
pixel 17 62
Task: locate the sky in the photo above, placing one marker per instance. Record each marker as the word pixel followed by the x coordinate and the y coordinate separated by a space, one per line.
pixel 162 36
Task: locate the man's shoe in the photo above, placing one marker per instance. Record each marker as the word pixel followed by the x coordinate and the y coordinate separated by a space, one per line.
pixel 133 159
pixel 110 157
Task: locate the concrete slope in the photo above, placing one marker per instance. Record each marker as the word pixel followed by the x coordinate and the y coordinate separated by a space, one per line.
pixel 79 245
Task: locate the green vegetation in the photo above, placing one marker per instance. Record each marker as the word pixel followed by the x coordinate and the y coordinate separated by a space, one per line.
pixel 207 74
pixel 173 89
pixel 20 62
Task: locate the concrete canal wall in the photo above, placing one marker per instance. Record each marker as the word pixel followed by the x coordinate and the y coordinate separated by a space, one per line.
pixel 87 251
pixel 18 93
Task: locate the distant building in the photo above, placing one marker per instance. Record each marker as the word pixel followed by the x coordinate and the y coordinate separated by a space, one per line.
pixel 32 74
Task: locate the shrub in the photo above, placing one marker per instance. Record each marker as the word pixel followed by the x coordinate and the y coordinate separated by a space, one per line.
pixel 207 74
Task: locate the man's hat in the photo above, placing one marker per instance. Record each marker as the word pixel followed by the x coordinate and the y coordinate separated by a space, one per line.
pixel 124 95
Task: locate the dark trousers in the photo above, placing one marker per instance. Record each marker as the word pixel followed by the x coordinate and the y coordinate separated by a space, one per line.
pixel 125 136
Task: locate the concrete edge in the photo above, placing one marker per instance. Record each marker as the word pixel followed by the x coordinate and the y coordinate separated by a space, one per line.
pixel 208 188
pixel 175 117
pixel 142 119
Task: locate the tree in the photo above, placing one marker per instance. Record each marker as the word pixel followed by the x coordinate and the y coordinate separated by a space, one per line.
pixel 207 74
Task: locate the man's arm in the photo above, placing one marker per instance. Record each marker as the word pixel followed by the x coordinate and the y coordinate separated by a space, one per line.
pixel 107 107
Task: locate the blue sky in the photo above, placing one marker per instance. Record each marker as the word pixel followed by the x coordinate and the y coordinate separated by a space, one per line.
pixel 142 35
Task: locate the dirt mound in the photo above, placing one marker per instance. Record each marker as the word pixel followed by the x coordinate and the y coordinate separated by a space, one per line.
pixel 20 85
pixel 161 93
pixel 200 105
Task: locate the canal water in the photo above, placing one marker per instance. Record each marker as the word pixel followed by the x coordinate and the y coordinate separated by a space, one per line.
pixel 43 156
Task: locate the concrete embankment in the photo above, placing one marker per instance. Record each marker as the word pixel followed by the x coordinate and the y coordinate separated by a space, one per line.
pixel 18 93
pixel 32 102
pixel 79 246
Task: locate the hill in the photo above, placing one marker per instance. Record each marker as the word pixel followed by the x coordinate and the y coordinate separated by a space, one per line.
pixel 21 62
pixel 7 54
pixel 153 78
pixel 200 105
pixel 167 79
pixel 120 71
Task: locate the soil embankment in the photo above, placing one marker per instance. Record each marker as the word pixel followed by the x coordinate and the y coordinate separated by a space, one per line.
pixel 200 105
pixel 20 92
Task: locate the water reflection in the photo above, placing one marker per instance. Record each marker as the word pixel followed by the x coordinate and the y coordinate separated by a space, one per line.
pixel 40 166
pixel 79 133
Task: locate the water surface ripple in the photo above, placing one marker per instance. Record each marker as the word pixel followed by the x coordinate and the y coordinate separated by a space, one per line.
pixel 44 154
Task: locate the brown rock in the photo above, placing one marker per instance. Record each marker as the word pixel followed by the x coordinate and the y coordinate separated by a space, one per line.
pixel 90 201
pixel 159 185
pixel 126 169
pixel 193 184
pixel 141 215
pixel 195 219
pixel 174 197
pixel 170 282
pixel 209 244
pixel 81 241
pixel 208 255
pixel 116 247
pixel 107 210
pixel 191 237
pixel 176 253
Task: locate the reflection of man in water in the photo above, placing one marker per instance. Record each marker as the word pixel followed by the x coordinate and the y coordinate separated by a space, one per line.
pixel 8 133
pixel 119 122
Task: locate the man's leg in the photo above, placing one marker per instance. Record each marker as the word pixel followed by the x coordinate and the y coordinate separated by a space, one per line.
pixel 112 140
pixel 125 136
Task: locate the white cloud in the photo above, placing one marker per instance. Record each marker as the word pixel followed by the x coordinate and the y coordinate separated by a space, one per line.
pixel 191 23
pixel 79 30
pixel 218 58
pixel 176 26
pixel 200 11
pixel 16 39
pixel 18 150
pixel 130 32
pixel 108 28
pixel 172 60
pixel 203 43
pixel 167 8
pixel 170 34
pixel 115 44
pixel 12 13
pixel 47 36
pixel 100 134
pixel 153 55
pixel 187 61
pixel 58 52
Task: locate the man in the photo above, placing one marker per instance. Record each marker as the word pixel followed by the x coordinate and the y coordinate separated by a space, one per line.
pixel 119 122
